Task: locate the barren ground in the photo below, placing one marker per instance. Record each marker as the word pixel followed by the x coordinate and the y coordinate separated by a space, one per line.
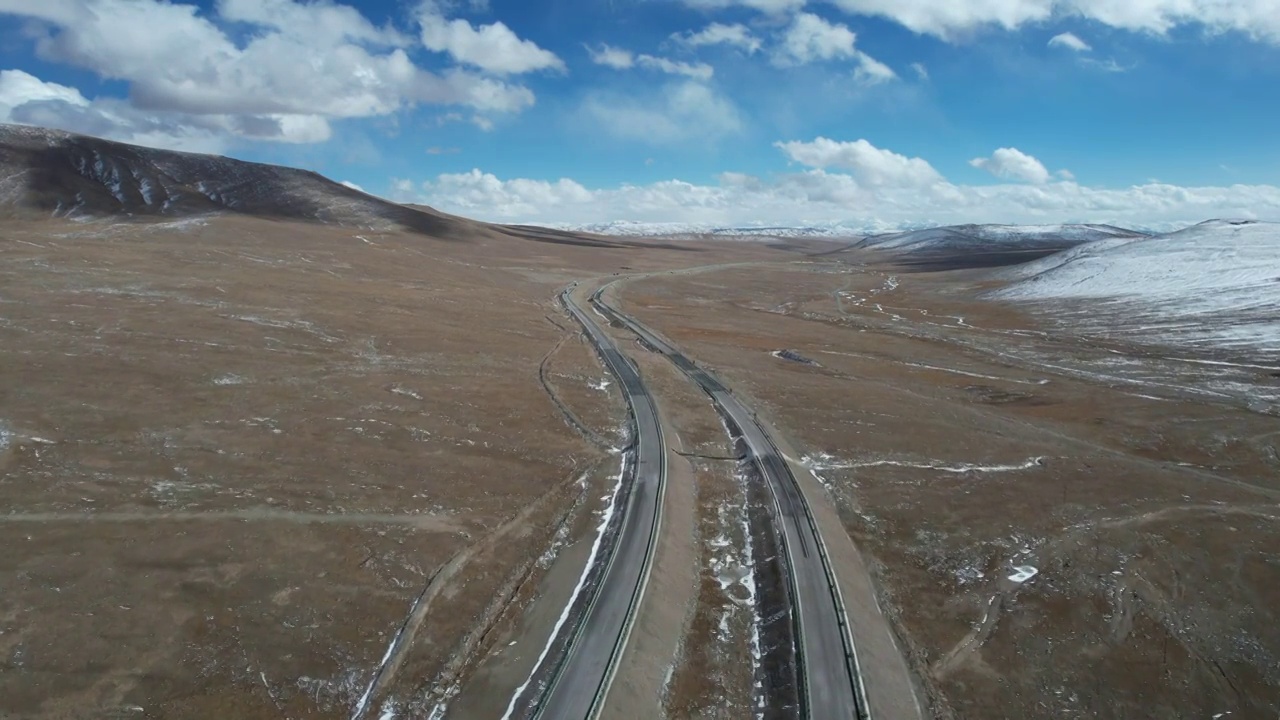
pixel 235 453
pixel 239 457
pixel 961 442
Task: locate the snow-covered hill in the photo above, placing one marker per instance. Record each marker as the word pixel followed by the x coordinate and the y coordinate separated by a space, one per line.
pixel 1216 285
pixel 993 238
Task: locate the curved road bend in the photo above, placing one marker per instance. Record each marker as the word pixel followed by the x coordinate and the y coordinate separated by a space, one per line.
pixel 829 669
pixel 582 681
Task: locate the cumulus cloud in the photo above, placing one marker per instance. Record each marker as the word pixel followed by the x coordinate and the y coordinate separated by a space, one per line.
pixel 1013 164
pixel 27 100
pixel 869 164
pixel 1256 18
pixel 810 38
pixel 494 48
pixel 881 190
pixel 301 65
pixel 609 56
pixel 477 192
pixel 736 35
pixel 678 112
pixel 819 197
pixel 1069 41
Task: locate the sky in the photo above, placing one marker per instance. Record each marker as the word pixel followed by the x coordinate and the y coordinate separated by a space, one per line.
pixel 875 114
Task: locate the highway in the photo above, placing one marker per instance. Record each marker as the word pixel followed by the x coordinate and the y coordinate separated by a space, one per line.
pixel 829 672
pixel 578 687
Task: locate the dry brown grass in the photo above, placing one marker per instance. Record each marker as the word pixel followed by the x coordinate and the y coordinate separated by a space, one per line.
pixel 1152 521
pixel 239 449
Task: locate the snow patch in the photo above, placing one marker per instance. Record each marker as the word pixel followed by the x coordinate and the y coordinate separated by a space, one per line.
pixel 229 379
pixel 1023 573
pixel 407 392
pixel 606 517
pixel 826 462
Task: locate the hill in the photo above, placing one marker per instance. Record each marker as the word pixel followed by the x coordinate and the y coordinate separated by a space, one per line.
pixel 1216 284
pixel 51 173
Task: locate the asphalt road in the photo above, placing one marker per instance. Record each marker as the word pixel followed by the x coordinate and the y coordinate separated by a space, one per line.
pixel 828 663
pixel 582 681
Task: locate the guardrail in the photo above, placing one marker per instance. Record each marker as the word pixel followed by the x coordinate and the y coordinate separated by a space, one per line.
pixel 637 595
pixel 853 667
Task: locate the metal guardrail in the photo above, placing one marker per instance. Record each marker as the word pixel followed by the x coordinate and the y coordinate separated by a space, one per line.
pixel 853 666
pixel 638 593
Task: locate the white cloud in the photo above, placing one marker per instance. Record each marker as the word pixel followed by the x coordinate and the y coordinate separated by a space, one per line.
pixel 477 192
pixel 818 197
pixel 191 86
pixel 25 99
pixel 871 71
pixel 736 35
pixel 494 48
pixel 947 19
pixel 810 38
pixel 609 56
pixel 1069 41
pixel 699 71
pixel 353 186
pixel 17 88
pixel 678 112
pixel 620 59
pixel 771 7
pixel 1013 164
pixel 920 70
pixel 870 165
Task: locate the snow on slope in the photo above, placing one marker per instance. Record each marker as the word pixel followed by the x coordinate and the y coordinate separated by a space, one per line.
pixel 626 228
pixel 1214 285
pixel 994 237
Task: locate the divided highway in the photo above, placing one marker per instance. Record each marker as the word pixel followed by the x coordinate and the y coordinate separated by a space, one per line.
pixel 581 682
pixel 832 681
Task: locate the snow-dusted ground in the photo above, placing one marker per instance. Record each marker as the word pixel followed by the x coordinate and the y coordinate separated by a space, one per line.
pixel 995 237
pixel 626 228
pixel 1214 286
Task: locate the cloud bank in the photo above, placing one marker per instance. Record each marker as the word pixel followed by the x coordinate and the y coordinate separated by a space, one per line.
pixel 852 183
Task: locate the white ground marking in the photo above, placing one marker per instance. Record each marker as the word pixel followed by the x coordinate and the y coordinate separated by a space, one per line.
pixel 606 516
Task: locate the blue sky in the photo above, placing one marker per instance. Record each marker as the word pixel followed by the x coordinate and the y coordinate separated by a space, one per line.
pixel 875 113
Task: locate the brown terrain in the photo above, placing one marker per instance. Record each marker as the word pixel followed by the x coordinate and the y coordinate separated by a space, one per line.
pixel 1149 514
pixel 270 447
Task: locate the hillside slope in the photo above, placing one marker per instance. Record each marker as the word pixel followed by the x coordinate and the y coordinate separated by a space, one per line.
pixel 990 238
pixel 49 173
pixel 1216 284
